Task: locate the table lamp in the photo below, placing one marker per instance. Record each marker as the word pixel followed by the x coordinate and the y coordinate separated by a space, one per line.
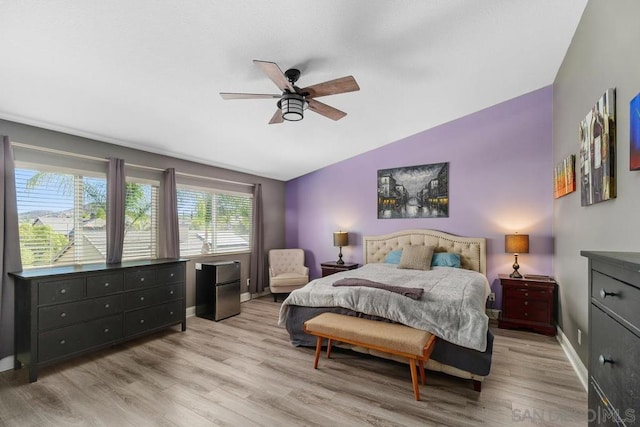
pixel 340 239
pixel 516 244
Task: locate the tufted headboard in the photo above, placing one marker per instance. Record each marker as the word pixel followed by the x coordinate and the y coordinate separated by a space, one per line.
pixel 472 250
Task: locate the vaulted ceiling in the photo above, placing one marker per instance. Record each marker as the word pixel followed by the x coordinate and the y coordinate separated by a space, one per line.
pixel 147 73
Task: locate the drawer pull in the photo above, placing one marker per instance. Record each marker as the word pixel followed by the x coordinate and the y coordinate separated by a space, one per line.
pixel 526 314
pixel 62 342
pixel 603 361
pixel 141 321
pixel 106 285
pixel 106 330
pixel 171 292
pixel 141 298
pixel 63 291
pixel 142 279
pixel 171 275
pixel 604 294
pixel 63 314
pixel 526 303
pixel 526 294
pixel 171 313
pixel 107 305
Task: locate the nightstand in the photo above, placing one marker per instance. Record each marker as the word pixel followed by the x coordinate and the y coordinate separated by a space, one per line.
pixel 528 303
pixel 332 267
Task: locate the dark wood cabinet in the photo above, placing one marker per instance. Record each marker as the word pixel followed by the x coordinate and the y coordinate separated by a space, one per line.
pixel 329 267
pixel 62 312
pixel 614 338
pixel 528 304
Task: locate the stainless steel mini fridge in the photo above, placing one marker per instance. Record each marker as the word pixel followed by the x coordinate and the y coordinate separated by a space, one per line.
pixel 218 289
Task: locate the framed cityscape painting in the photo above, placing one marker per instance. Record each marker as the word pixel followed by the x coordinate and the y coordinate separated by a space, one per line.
pixel 634 133
pixel 564 179
pixel 598 151
pixel 414 192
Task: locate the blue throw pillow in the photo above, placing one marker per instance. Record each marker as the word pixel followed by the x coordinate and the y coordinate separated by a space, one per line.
pixel 393 257
pixel 445 259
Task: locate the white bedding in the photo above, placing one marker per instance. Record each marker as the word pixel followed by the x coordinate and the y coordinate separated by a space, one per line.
pixel 452 306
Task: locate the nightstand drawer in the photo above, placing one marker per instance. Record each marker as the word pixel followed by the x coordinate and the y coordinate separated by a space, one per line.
pixel 529 294
pixel 530 311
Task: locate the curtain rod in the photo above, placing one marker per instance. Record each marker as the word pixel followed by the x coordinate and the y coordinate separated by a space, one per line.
pixel 100 159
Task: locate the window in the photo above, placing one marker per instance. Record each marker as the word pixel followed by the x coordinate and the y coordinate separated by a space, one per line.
pixel 62 217
pixel 141 221
pixel 214 222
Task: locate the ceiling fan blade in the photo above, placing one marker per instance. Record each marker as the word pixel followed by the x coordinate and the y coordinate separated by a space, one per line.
pixel 332 87
pixel 277 117
pixel 276 75
pixel 325 110
pixel 227 95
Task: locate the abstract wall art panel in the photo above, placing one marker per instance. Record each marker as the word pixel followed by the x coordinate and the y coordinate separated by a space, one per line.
pixel 564 179
pixel 634 133
pixel 598 151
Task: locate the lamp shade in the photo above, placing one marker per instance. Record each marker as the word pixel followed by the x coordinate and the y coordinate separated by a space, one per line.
pixel 340 238
pixel 516 243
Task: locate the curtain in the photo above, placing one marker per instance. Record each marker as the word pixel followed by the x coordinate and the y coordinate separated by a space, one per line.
pixel 169 238
pixel 116 194
pixel 257 246
pixel 10 247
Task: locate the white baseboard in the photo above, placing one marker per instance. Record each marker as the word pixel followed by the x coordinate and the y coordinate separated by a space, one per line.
pixel 6 363
pixel 574 359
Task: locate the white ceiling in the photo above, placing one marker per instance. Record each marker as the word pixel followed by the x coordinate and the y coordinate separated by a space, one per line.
pixel 147 73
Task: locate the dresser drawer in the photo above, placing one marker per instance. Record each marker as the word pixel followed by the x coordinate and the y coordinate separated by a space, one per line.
pixel 149 318
pixel 104 284
pixel 617 344
pixel 139 278
pixel 55 316
pixel 153 296
pixel 529 294
pixel 75 338
pixel 62 290
pixel 171 274
pixel 625 300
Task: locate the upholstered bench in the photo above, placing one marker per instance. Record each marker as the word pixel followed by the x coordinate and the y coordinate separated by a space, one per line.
pixel 401 340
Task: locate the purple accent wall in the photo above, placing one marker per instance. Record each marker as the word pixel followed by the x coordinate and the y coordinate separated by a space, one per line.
pixel 500 182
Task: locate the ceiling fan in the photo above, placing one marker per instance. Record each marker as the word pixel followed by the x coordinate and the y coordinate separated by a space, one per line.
pixel 293 100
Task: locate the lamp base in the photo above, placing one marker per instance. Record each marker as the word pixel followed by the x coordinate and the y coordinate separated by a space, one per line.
pixel 515 275
pixel 340 261
pixel 516 266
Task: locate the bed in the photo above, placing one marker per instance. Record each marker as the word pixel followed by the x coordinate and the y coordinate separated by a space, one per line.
pixel 464 353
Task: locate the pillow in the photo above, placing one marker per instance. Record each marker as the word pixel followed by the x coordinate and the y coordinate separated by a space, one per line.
pixel 445 259
pixel 416 257
pixel 393 257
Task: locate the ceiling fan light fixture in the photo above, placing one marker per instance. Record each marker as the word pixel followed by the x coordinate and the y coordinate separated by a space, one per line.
pixel 292 106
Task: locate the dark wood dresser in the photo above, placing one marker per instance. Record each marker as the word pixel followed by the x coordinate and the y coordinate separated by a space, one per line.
pixel 614 338
pixel 62 312
pixel 528 303
pixel 329 268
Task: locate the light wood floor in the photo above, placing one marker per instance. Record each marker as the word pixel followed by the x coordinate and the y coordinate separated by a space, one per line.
pixel 243 371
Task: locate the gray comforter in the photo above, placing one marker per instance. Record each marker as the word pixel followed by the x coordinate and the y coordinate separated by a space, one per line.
pixel 452 306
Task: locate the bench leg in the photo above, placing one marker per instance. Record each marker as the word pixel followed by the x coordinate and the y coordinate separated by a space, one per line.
pixel 318 349
pixel 477 386
pixel 329 342
pixel 414 378
pixel 422 376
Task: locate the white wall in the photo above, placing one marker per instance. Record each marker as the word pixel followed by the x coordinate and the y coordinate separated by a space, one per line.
pixel 603 54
